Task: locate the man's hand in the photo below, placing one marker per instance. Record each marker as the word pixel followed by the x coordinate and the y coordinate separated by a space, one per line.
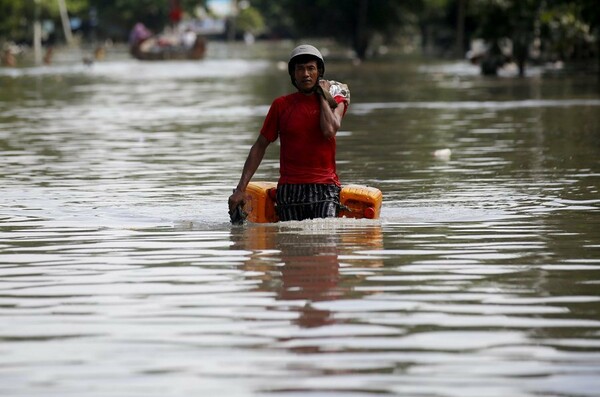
pixel 323 88
pixel 238 197
pixel 257 152
pixel 236 212
pixel 324 84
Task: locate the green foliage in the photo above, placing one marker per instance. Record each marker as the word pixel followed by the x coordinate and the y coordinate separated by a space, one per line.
pixel 352 22
pixel 17 16
pixel 75 7
pixel 11 13
pixel 278 19
pixel 118 16
pixel 566 29
pixel 123 14
pixel 250 20
pixel 505 18
pixel 566 32
pixel 434 9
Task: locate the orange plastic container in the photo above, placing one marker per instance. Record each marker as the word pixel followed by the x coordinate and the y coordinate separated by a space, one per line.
pixel 260 205
pixel 360 202
pixel 357 202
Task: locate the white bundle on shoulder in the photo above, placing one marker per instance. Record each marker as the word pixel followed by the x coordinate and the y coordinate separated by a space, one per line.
pixel 336 90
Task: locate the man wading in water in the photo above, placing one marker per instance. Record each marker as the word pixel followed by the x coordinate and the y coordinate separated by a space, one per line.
pixel 306 122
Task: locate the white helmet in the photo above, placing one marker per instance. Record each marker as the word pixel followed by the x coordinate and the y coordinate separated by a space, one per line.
pixel 305 51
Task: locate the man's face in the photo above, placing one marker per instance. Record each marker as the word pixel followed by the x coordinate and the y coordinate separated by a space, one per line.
pixel 306 75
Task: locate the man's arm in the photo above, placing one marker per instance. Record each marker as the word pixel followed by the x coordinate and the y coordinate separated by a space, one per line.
pixel 257 152
pixel 331 119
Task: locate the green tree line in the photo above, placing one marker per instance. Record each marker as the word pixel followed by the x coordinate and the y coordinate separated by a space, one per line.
pixel 544 29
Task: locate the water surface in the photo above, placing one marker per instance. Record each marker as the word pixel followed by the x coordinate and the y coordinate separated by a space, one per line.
pixel 120 274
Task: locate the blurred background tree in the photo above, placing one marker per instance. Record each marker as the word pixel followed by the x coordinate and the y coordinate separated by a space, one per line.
pixel 16 16
pixel 278 20
pixel 354 23
pixel 114 18
pixel 522 30
pixel 508 27
pixel 519 31
pixel 570 29
pixel 11 16
pixel 250 21
pixel 118 16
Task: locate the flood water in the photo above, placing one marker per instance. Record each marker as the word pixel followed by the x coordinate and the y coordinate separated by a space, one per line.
pixel 120 274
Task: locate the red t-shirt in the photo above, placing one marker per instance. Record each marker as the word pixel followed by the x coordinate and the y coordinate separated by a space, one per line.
pixel 306 156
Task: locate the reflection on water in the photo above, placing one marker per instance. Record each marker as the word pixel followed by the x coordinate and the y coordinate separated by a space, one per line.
pixel 120 274
pixel 300 261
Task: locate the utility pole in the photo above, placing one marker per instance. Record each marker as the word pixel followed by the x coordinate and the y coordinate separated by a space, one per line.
pixel 460 29
pixel 361 38
pixel 37 34
pixel 64 17
pixel 231 27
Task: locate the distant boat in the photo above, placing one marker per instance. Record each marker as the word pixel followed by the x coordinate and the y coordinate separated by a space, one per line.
pixel 145 46
pixel 169 51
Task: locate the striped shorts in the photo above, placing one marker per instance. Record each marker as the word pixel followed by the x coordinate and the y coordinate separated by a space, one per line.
pixel 307 201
